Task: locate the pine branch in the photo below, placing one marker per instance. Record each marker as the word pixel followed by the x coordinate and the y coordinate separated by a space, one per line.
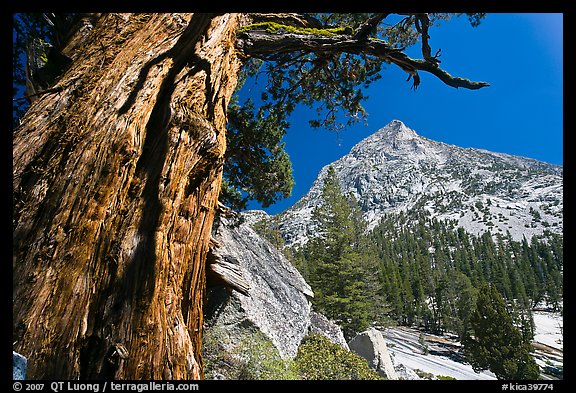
pixel 369 27
pixel 422 23
pixel 260 44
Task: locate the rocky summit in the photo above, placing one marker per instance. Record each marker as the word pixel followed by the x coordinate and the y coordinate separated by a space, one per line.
pixel 395 170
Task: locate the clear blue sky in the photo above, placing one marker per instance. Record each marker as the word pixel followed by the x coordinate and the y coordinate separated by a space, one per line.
pixel 521 113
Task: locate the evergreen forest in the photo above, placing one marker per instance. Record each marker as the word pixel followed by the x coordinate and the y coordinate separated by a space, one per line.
pixel 415 270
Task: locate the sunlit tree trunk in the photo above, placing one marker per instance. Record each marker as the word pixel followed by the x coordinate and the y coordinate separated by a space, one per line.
pixel 116 176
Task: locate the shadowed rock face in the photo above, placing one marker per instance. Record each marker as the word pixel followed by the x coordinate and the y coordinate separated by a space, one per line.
pixel 277 303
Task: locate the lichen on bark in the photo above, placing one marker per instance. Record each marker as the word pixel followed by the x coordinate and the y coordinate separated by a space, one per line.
pixel 274 27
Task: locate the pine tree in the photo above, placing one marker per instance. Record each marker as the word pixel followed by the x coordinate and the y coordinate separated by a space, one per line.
pixel 522 318
pixel 465 302
pixel 408 308
pixel 497 345
pixel 418 288
pixel 502 264
pixel 390 279
pixel 342 270
pixel 526 261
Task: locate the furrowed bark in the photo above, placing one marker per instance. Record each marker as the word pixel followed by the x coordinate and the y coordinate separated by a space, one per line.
pixel 116 180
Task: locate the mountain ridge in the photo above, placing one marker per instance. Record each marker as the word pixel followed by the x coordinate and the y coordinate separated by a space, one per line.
pixel 395 169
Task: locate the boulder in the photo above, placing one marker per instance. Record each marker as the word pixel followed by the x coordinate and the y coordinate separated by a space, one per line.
pixel 329 329
pixel 273 297
pixel 372 347
pixel 406 373
pixel 19 364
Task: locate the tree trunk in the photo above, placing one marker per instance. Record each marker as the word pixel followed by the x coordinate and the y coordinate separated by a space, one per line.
pixel 117 172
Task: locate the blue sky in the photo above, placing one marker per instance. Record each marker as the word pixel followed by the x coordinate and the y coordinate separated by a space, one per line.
pixel 520 113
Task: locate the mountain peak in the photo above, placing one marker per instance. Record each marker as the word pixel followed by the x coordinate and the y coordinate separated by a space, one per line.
pixel 392 139
pixel 397 129
pixel 396 170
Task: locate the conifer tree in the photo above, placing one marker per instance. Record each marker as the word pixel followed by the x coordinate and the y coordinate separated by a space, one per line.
pixel 342 272
pixel 497 345
pixel 465 299
pixel 431 272
pixel 390 279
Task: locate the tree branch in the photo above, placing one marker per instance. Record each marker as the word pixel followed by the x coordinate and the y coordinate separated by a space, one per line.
pixel 422 23
pixel 370 26
pixel 260 44
pixel 297 20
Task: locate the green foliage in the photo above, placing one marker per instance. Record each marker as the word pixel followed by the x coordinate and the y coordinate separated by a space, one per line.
pixel 431 272
pixel 320 359
pixel 268 229
pixel 475 18
pixel 341 268
pixel 329 83
pixel 261 360
pixel 37 40
pixel 497 345
pixel 253 357
pixel 403 33
pixel 445 378
pixel 257 166
pixel 338 218
pixel 424 374
pixel 27 27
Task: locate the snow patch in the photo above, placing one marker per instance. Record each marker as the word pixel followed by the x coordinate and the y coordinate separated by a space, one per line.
pixel 395 170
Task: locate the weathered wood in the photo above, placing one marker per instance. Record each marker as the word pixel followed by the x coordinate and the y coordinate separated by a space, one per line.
pixel 116 181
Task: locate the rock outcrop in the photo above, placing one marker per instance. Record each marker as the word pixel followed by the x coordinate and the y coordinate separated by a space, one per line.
pixel 276 302
pixel 329 329
pixel 372 347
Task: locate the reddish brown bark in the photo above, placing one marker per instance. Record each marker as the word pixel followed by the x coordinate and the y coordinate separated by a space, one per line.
pixel 116 180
